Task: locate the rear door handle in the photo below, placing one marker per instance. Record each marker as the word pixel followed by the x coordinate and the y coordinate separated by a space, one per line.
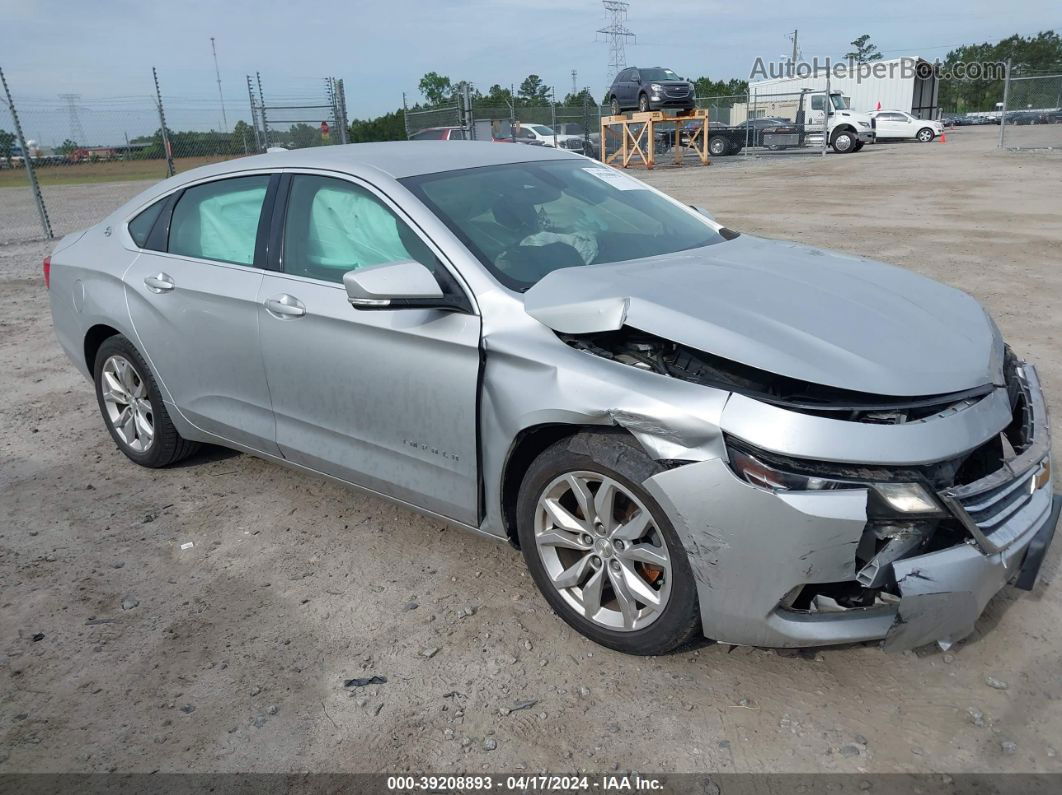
pixel 285 306
pixel 159 283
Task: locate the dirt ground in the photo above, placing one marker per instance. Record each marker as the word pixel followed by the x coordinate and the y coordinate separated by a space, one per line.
pixel 122 650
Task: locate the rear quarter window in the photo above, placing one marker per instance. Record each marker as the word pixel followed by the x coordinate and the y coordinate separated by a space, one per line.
pixel 140 226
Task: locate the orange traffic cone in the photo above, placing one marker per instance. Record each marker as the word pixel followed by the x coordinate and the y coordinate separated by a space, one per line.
pixel 943 137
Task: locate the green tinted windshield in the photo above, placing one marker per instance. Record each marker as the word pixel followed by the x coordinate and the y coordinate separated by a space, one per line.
pixel 525 220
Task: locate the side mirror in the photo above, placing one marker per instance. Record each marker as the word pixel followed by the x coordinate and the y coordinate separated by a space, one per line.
pixel 395 285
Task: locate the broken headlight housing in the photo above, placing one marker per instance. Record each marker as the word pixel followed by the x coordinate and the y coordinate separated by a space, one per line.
pixel 908 498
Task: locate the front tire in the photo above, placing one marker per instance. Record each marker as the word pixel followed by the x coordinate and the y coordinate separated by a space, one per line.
pixel 643 103
pixel 601 550
pixel 615 107
pixel 843 142
pixel 925 135
pixel 132 407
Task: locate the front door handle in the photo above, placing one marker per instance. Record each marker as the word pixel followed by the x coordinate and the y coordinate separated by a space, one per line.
pixel 159 283
pixel 285 306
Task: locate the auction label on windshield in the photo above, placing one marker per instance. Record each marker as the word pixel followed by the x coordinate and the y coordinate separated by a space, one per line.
pixel 616 179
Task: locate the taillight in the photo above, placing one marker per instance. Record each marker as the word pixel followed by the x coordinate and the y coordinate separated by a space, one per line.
pixel 47 272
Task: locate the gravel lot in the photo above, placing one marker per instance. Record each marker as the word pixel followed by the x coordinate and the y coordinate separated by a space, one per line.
pixel 119 650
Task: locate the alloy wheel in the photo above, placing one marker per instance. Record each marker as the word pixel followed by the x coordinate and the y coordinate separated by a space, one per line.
pixel 602 551
pixel 126 401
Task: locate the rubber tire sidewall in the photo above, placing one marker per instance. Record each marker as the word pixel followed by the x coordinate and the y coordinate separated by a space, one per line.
pixel 165 447
pixel 723 144
pixel 643 99
pixel 850 136
pixel 615 106
pixel 680 620
pixel 929 140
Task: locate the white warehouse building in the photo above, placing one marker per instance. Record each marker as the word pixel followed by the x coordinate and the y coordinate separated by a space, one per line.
pixel 908 84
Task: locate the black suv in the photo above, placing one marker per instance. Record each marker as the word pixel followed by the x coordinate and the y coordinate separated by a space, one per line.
pixel 650 88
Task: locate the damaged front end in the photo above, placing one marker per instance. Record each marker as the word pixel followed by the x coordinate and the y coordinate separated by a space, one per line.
pixel 797 551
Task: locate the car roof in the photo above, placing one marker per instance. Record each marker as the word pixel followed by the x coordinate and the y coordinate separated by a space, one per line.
pixel 396 159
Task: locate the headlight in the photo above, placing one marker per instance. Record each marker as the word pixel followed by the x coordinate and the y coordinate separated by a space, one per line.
pixel 864 124
pixel 764 476
pixel 908 498
pixel 656 87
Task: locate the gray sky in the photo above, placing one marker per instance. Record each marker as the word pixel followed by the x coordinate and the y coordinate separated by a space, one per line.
pixel 104 50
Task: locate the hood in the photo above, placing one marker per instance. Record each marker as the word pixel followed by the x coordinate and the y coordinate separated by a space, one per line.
pixel 851 115
pixel 796 311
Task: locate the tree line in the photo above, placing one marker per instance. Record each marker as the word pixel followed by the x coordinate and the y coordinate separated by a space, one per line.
pixel 440 91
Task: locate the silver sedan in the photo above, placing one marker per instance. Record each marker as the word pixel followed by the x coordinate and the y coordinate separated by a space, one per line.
pixel 684 429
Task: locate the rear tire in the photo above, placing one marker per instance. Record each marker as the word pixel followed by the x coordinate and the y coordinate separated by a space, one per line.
pixel 718 147
pixel 615 107
pixel 610 545
pixel 132 407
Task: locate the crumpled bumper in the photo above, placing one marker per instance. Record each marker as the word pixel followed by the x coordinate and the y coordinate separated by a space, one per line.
pixel 943 593
pixel 750 548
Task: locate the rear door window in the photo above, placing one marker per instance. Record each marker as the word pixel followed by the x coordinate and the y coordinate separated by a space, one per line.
pixel 219 220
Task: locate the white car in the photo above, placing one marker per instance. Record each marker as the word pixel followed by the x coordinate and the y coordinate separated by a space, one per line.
pixel 898 124
pixel 542 133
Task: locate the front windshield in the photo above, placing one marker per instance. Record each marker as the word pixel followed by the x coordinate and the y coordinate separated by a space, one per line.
pixel 525 220
pixel 658 74
pixel 838 102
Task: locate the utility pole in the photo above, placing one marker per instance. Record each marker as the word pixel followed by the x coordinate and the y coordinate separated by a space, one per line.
pixel 575 83
pixel 217 72
pixel 616 34
pixel 796 52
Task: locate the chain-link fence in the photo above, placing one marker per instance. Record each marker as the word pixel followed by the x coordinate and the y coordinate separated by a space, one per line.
pixel 1031 117
pixel 78 158
pixel 721 110
pixel 574 127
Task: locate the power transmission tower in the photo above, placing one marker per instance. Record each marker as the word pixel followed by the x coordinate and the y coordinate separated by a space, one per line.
pixel 616 34
pixel 217 72
pixel 575 82
pixel 77 133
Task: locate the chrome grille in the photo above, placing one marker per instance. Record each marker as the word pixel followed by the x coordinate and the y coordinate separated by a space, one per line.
pixel 989 509
pixel 984 506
